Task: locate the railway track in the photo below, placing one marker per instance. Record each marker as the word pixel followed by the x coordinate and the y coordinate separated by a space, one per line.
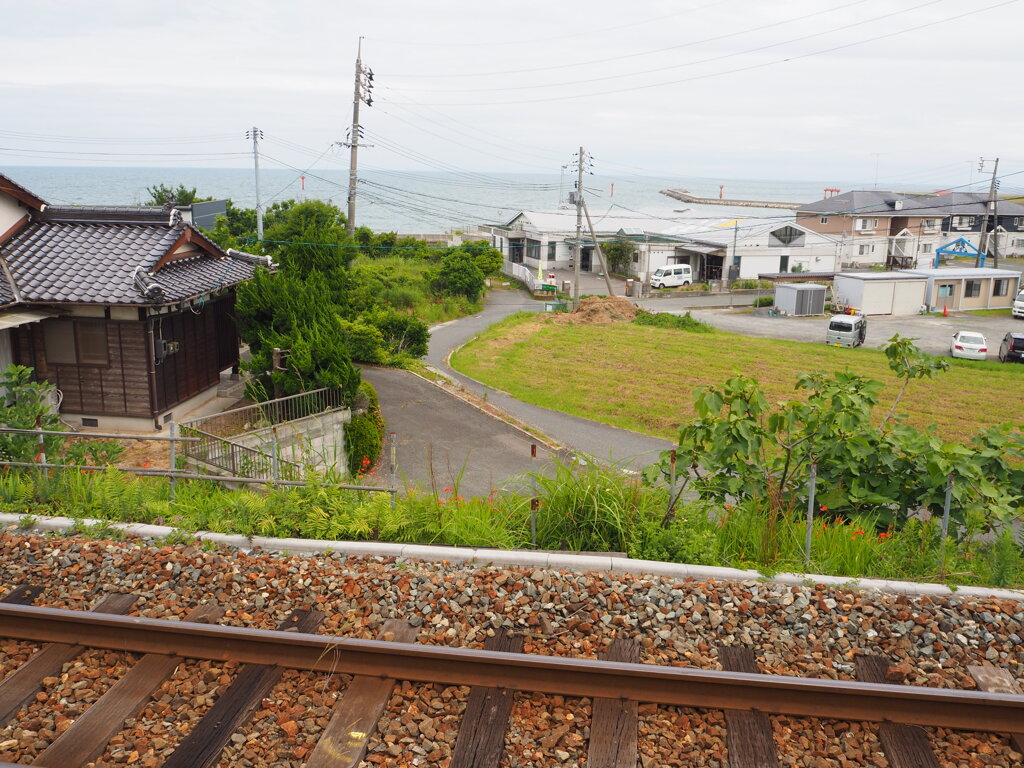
pixel 617 685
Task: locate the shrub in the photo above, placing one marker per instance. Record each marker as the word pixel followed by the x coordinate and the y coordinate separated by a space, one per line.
pixel 364 435
pixel 460 276
pixel 764 301
pixel 685 322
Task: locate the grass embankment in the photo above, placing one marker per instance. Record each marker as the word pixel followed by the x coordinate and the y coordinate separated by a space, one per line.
pixel 642 378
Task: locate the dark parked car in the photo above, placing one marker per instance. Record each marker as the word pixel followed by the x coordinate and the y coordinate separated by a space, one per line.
pixel 1012 348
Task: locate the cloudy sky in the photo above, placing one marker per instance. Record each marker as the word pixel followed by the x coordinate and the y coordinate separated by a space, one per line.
pixel 913 90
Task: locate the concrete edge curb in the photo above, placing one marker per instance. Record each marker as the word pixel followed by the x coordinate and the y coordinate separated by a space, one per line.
pixel 524 558
pixel 502 416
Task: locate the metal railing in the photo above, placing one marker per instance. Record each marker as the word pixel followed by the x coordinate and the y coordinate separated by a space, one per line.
pixel 252 418
pixel 522 274
pixel 240 460
pixel 173 474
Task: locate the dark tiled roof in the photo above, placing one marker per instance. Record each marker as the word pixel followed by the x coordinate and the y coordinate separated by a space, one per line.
pixel 95 263
pixel 109 213
pixel 190 277
pixel 878 202
pixel 6 291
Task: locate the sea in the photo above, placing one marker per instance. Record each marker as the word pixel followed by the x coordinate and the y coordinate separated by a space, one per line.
pixel 410 202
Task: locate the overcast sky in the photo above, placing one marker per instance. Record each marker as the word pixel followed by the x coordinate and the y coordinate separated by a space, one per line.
pixel 802 89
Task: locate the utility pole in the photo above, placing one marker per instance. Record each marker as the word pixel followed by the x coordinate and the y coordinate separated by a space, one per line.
pixel 983 240
pixel 256 134
pixel 579 228
pixel 363 87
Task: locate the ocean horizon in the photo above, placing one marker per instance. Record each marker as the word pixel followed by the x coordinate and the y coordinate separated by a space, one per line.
pixel 410 202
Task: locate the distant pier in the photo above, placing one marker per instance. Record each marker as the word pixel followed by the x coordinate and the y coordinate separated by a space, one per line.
pixel 684 196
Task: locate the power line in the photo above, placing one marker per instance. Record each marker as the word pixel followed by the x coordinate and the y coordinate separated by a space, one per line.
pixel 747 68
pixel 652 52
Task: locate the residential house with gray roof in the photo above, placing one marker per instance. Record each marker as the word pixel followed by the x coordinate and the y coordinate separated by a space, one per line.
pixel 903 231
pixel 128 311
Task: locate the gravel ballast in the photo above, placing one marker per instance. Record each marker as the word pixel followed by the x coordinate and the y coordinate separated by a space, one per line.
pixel 809 631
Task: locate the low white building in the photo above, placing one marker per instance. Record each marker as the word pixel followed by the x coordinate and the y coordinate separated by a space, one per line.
pixel 715 250
pixel 881 293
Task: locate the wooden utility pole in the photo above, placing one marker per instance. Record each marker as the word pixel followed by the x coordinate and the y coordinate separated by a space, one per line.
pixel 363 86
pixel 983 240
pixel 256 134
pixel 579 229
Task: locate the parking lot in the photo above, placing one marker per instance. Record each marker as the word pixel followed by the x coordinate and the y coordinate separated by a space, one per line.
pixel 933 333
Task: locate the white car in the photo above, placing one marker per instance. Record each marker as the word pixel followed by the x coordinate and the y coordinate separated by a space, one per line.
pixel 969 345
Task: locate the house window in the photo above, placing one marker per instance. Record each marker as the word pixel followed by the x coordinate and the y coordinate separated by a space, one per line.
pixel 963 222
pixel 865 225
pixel 1001 288
pixel 864 249
pixel 928 223
pixel 823 219
pixel 786 237
pixel 1018 243
pixel 926 247
pixel 945 290
pixel 76 342
pixel 636 257
pixel 91 339
pixel 784 263
pixel 59 340
pixel 972 288
pixel 1018 221
pixel 552 250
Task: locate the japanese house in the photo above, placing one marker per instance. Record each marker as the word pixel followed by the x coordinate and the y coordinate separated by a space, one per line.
pixel 128 311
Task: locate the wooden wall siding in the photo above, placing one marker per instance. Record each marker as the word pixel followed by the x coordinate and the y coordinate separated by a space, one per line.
pixel 118 389
pixel 209 344
pixel 203 355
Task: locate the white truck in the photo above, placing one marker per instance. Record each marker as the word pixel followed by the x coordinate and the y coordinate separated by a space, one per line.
pixel 1018 306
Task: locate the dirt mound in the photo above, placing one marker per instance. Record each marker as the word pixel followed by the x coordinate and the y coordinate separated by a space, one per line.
pixel 599 310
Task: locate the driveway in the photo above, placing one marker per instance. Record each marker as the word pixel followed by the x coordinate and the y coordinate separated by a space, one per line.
pixel 580 435
pixel 932 333
pixel 440 436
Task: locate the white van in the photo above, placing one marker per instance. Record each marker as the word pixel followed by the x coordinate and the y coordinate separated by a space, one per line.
pixel 1018 306
pixel 671 276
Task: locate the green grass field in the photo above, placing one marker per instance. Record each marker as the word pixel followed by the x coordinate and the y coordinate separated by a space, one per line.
pixel 643 378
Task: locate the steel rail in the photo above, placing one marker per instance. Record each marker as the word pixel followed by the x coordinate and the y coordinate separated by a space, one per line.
pixel 703 689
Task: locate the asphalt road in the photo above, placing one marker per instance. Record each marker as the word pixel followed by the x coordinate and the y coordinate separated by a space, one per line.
pixel 580 435
pixel 932 333
pixel 445 442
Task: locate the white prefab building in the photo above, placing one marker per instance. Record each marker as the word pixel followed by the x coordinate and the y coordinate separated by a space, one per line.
pixel 969 288
pixel 800 299
pixel 881 293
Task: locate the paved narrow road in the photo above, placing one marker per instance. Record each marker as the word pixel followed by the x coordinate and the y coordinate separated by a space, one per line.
pixel 440 436
pixel 581 435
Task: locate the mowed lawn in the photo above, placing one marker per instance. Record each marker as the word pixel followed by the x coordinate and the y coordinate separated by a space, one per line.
pixel 643 378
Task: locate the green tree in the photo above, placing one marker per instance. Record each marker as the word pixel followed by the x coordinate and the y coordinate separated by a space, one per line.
pixel 460 276
pixel 487 258
pixel 619 255
pixel 161 194
pixel 308 236
pixel 27 404
pixel 742 448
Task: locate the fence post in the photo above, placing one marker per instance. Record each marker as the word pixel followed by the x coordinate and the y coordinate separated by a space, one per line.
pixel 173 459
pixel 534 503
pixel 275 456
pixel 392 454
pixel 811 483
pixel 671 512
pixel 41 455
pixel 945 506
